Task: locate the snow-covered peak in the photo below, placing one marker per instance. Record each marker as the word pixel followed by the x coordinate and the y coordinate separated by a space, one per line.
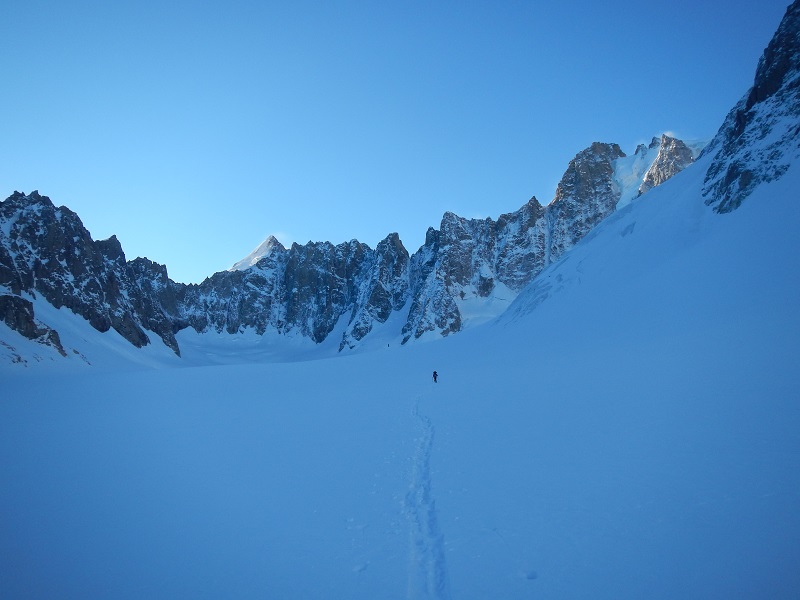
pixel 263 250
pixel 651 165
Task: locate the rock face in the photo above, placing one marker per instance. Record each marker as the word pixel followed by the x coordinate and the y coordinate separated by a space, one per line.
pixel 17 313
pixel 382 291
pixel 47 251
pixel 306 289
pixel 585 196
pixel 760 137
pixel 470 261
pixel 480 265
pixel 468 270
pixel 673 157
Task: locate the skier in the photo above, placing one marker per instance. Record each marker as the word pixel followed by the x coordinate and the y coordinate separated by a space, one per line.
pixel 435 376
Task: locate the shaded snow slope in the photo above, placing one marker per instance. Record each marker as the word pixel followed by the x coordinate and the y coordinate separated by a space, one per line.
pixel 627 430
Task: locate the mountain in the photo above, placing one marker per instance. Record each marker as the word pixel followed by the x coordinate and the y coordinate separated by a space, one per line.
pixel 264 249
pixel 673 156
pixel 626 429
pixel 467 272
pixel 759 139
pixel 326 298
pixel 46 251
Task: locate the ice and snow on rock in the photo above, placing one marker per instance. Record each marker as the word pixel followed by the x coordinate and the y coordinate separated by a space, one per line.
pixel 760 138
pixel 263 250
pixel 629 172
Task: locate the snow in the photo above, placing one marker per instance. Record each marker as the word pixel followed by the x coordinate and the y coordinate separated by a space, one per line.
pixel 264 249
pixel 629 173
pixel 627 429
pixel 476 310
pixel 7 224
pixel 85 346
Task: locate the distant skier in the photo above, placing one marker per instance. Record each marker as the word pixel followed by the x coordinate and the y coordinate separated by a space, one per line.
pixel 435 377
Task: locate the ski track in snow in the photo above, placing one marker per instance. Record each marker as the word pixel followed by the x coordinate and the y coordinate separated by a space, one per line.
pixel 427 577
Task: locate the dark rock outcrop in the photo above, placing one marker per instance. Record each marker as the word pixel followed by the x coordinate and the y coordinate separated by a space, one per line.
pixel 48 251
pixel 585 196
pixel 760 137
pixel 17 313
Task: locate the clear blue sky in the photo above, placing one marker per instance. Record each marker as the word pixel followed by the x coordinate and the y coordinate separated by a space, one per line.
pixel 193 130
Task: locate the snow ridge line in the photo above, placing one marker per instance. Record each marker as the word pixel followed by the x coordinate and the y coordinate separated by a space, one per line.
pixel 427 577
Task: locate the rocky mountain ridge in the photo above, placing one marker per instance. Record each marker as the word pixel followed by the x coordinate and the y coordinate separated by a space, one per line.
pixel 467 270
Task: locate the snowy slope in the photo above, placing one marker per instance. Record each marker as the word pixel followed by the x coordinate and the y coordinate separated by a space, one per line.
pixel 627 430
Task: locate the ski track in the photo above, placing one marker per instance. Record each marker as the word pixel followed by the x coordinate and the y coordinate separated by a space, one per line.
pixel 427 577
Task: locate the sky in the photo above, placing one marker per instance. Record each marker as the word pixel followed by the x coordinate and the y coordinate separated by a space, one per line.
pixel 194 130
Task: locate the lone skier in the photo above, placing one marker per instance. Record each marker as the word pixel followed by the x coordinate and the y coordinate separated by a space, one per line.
pixel 435 377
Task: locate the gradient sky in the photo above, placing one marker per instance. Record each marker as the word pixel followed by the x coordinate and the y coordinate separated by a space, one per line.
pixel 193 130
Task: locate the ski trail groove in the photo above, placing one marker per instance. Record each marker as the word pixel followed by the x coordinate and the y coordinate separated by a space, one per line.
pixel 427 577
